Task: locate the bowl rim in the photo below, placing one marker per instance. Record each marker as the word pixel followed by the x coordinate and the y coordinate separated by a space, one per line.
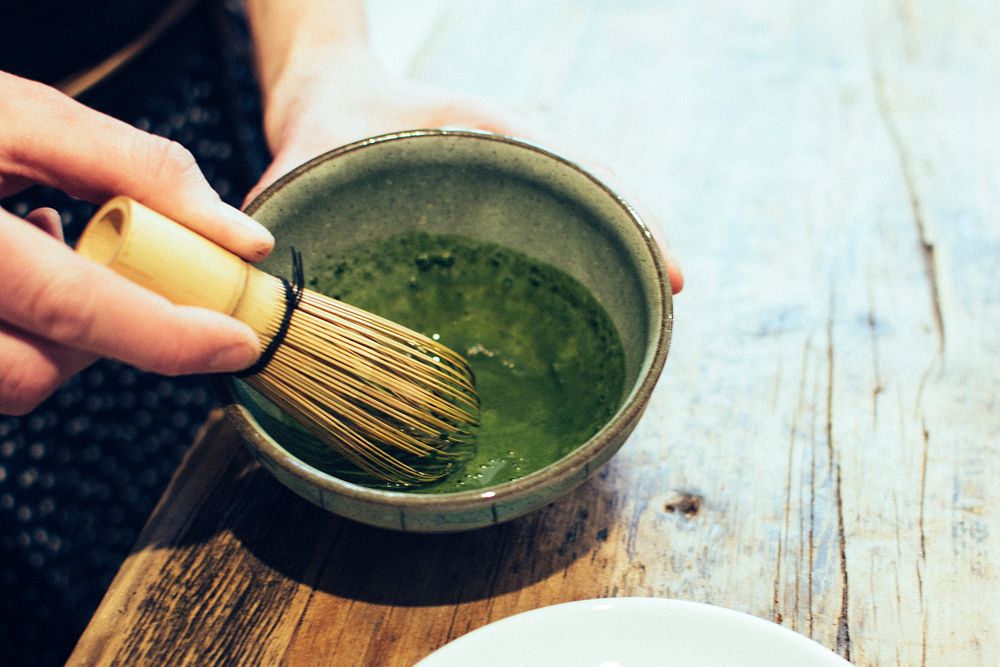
pixel 623 420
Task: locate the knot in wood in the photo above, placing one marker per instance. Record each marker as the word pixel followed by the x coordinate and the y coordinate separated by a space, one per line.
pixel 687 504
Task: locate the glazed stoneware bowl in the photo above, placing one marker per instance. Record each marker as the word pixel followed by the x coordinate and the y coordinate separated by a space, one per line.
pixel 488 188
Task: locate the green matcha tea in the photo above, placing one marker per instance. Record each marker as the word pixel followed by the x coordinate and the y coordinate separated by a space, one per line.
pixel 548 362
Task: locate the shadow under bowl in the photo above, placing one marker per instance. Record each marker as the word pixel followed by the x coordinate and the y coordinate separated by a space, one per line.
pixel 488 188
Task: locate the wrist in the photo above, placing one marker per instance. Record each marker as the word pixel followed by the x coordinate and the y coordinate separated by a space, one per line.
pixel 338 69
pixel 285 33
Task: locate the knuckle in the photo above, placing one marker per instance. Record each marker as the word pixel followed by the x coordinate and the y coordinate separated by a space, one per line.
pixel 168 161
pixel 24 90
pixel 63 308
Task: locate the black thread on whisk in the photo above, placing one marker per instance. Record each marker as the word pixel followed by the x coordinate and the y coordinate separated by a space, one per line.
pixel 293 296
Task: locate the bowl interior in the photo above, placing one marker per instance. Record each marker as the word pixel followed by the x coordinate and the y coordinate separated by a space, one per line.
pixel 483 187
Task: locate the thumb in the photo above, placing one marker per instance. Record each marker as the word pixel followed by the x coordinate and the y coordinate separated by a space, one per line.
pixel 281 165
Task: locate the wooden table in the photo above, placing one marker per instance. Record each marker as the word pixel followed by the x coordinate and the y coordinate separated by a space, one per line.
pixel 823 449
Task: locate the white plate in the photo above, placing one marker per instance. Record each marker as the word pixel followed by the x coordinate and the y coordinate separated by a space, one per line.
pixel 625 632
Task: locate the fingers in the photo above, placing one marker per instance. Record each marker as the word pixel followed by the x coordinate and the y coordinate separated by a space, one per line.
pixel 53 293
pixel 281 165
pixel 306 131
pixel 51 139
pixel 165 177
pixel 655 226
pixel 651 220
pixel 31 368
pixel 476 114
pixel 300 128
pixel 47 220
pixel 482 117
pixel 673 271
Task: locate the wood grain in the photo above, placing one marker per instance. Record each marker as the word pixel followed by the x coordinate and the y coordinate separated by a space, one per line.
pixel 824 448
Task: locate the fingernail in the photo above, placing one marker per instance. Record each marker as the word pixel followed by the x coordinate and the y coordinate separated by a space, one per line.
pixel 239 217
pixel 233 358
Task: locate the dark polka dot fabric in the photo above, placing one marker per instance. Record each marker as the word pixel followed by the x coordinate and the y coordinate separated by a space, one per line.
pixel 80 474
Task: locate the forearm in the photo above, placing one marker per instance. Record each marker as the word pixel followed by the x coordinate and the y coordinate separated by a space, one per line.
pixel 323 87
pixel 290 35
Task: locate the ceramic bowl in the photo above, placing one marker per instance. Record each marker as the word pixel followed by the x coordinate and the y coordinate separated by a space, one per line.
pixel 490 188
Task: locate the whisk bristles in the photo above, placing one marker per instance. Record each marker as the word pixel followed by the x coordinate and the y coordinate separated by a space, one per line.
pixel 396 404
pixel 393 402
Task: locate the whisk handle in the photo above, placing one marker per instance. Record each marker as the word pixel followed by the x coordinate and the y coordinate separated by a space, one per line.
pixel 178 263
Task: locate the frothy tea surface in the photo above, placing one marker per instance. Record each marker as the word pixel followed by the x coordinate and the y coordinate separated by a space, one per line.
pixel 548 362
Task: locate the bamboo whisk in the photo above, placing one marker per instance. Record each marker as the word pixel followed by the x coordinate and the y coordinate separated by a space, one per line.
pixel 393 402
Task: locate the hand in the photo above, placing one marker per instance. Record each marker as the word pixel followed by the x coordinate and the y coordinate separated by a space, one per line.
pixel 58 311
pixel 343 94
